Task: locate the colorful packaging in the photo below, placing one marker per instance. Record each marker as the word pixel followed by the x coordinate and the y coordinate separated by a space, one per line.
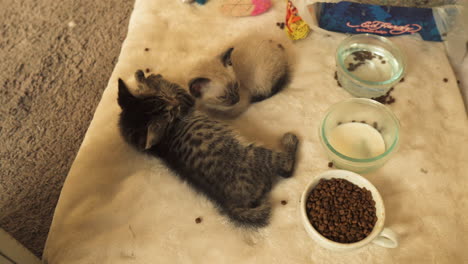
pixel 387 21
pixel 296 27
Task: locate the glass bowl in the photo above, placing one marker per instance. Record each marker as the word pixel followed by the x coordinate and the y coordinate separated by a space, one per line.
pixel 369 65
pixel 358 151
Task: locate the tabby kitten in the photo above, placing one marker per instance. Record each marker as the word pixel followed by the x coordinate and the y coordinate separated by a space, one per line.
pixel 162 121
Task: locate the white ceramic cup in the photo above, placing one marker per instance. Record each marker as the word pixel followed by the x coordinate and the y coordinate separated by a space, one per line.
pixel 380 235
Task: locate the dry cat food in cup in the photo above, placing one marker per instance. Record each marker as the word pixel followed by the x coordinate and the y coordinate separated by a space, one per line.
pixel 343 204
pixel 341 211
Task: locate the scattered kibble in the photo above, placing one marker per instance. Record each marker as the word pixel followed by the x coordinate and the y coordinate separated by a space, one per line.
pixel 402 79
pixel 386 98
pixel 336 78
pixel 146 49
pixel 284 202
pixel 198 220
pixel 330 164
pixel 280 25
pixel 341 211
pixel 445 80
pixel 361 57
pixel 147 70
pixel 352 66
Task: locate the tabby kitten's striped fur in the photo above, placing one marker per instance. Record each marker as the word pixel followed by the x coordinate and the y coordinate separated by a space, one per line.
pixel 163 122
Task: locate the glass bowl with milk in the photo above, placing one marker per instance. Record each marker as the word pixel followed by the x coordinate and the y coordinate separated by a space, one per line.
pixel 359 134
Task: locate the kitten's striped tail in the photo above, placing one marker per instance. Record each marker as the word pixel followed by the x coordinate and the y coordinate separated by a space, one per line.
pixel 251 217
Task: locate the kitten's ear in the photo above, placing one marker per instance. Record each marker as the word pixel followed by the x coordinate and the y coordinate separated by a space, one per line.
pixel 197 85
pixel 154 133
pixel 125 98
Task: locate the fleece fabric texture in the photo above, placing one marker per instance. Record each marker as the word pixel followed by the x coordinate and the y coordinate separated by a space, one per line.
pixel 119 206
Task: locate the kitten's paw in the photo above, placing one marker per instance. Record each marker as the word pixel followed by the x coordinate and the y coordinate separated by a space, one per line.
pixel 290 142
pixel 155 76
pixel 155 79
pixel 139 76
pixel 288 158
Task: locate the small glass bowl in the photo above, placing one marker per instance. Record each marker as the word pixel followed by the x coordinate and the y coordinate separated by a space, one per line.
pixel 379 66
pixel 366 111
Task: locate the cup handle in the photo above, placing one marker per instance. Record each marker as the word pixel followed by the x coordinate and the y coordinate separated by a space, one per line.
pixel 387 238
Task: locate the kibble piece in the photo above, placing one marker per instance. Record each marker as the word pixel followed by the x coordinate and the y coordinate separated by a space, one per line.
pixel 336 78
pixel 284 202
pixel 198 220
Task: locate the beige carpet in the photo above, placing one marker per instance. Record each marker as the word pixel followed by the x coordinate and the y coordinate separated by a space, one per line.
pixel 56 58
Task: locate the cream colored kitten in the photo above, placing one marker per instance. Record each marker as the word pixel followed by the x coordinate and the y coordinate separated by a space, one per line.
pixel 249 70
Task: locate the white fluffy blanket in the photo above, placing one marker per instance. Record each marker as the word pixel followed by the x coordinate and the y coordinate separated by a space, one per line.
pixel 118 206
